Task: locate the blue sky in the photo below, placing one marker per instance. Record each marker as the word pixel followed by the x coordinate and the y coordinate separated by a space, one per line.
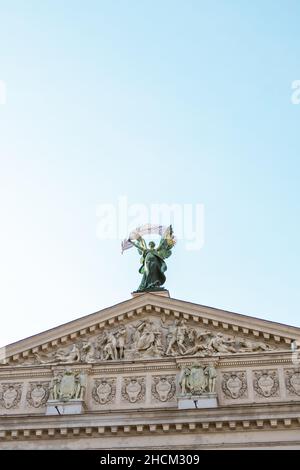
pixel 163 102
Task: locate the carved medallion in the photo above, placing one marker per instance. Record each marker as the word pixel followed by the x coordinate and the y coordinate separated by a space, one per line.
pixel 163 388
pixel 292 381
pixel 10 395
pixel 133 389
pixel 234 385
pixel 266 383
pixel 38 394
pixel 104 391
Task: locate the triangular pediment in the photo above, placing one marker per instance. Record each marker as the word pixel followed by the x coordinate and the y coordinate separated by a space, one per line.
pixel 151 325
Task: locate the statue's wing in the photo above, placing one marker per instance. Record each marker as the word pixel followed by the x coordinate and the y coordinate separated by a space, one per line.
pixel 166 243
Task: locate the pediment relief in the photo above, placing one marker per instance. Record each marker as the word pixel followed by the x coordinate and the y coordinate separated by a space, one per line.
pixel 150 335
pixel 80 339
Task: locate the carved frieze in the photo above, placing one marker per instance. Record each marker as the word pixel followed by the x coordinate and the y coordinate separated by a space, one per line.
pixel 133 389
pixel 163 387
pixel 104 391
pixel 292 381
pixel 10 395
pixel 234 384
pixel 151 337
pixel 38 394
pixel 266 383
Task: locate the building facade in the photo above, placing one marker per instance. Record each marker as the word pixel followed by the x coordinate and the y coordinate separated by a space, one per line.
pixel 153 372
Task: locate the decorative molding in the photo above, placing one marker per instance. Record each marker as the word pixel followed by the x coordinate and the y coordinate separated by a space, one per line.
pixel 257 362
pixel 234 384
pixel 133 389
pixel 266 383
pixel 38 394
pixel 10 395
pixel 163 388
pixel 292 381
pixel 104 391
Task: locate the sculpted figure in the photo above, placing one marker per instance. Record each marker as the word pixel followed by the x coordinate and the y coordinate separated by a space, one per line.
pixel 81 383
pixel 177 334
pixel 201 341
pixel 220 344
pixel 55 388
pixel 183 381
pixel 68 356
pixel 211 373
pixel 144 336
pixel 88 352
pixel 246 345
pixel 121 336
pixel 152 260
pixel 110 348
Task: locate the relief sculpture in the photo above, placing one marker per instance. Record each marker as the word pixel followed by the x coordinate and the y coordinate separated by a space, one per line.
pixel 198 379
pixel 10 395
pixel 149 338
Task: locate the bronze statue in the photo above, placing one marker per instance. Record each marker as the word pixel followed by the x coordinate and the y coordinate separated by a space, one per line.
pixel 152 260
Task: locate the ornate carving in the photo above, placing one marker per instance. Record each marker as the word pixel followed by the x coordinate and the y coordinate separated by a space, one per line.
pixel 38 394
pixel 104 391
pixel 133 389
pixel 198 379
pixel 68 386
pixel 247 345
pixel 88 352
pixel 176 337
pixel 10 395
pixel 234 384
pixel 148 338
pixel 211 374
pixel 266 383
pixel 163 387
pixel 292 381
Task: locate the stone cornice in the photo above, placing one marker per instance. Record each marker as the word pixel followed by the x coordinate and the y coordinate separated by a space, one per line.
pixel 223 419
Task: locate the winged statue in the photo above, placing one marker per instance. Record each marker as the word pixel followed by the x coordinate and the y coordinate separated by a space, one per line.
pixel 153 264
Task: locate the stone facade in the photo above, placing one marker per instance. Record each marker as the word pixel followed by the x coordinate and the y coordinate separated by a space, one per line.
pixel 118 378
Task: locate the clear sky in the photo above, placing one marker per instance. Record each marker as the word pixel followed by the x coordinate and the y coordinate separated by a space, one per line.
pixel 161 102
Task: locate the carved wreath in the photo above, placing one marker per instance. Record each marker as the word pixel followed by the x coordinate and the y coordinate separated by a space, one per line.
pixel 292 381
pixel 240 391
pixel 42 398
pixel 267 390
pixel 169 393
pixel 104 391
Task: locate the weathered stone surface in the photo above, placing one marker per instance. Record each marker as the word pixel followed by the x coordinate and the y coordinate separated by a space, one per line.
pixel 153 372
